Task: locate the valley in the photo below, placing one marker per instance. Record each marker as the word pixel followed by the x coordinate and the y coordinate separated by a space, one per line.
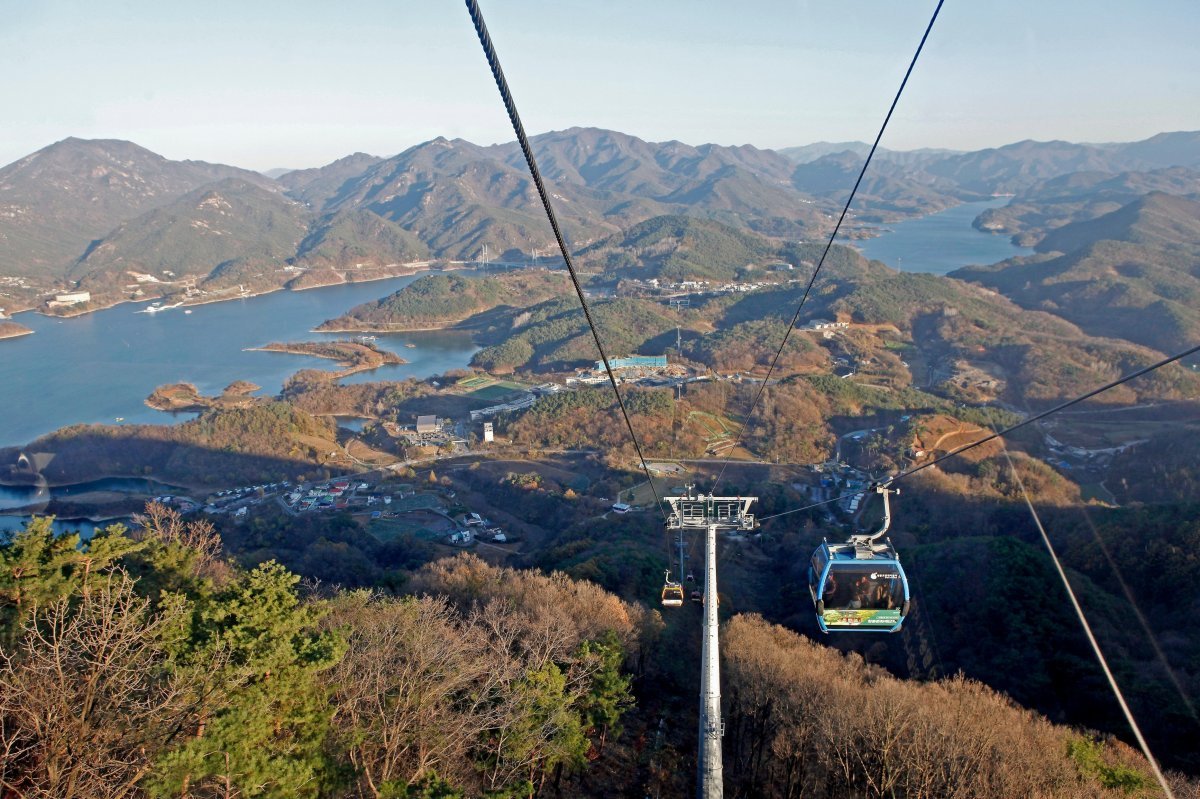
pixel 451 427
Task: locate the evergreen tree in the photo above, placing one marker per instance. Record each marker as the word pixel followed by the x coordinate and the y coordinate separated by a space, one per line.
pixel 265 734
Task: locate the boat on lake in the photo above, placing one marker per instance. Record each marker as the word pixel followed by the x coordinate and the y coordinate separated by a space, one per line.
pixel 156 307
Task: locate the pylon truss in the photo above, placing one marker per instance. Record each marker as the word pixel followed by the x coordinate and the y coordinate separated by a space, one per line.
pixel 700 511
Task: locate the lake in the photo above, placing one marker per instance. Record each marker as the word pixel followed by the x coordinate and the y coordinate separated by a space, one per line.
pixel 100 367
pixel 35 499
pixel 84 527
pixel 941 242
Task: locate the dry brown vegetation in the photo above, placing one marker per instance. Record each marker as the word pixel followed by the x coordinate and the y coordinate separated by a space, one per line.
pixel 352 356
pixel 805 720
pixel 486 682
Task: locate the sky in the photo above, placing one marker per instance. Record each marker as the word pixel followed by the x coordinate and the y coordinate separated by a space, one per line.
pixel 271 84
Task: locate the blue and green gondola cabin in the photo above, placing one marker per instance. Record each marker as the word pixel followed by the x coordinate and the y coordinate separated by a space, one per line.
pixel 858 587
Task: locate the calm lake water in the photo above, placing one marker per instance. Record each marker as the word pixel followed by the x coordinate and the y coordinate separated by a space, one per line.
pixel 20 496
pixel 85 528
pixel 100 367
pixel 942 242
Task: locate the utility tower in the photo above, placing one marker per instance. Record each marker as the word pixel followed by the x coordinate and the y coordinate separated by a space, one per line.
pixel 710 514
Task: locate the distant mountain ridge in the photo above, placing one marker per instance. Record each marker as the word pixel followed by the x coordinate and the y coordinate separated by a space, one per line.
pixel 925 175
pixel 86 210
pixel 56 201
pixel 1080 196
pixel 456 195
pixel 1133 273
pixel 213 227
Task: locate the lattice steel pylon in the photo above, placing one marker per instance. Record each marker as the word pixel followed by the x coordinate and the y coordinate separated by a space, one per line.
pixel 710 514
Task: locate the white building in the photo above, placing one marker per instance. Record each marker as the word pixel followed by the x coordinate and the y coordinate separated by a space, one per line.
pixel 70 298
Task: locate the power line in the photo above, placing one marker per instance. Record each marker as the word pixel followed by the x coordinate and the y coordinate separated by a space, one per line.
pixel 523 140
pixel 1044 414
pixel 1087 629
pixel 829 245
pixel 1136 608
pixel 1119 381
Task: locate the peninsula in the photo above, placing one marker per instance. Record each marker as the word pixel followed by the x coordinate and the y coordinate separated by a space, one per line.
pixel 352 356
pixel 9 329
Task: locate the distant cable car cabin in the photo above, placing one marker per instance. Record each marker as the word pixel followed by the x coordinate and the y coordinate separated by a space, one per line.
pixel 860 586
pixel 672 593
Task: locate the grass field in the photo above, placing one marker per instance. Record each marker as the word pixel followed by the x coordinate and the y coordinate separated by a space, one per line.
pixel 487 388
pixel 474 382
pixel 497 391
pixel 712 428
pixel 418 502
pixel 386 530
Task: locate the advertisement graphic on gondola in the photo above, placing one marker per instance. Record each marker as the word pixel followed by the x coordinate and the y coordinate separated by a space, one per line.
pixel 861 618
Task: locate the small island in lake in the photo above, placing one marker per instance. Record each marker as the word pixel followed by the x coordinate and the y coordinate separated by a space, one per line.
pixel 352 356
pixel 186 397
pixel 10 329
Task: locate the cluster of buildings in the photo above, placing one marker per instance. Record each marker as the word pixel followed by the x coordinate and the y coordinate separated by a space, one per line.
pixel 703 286
pixel 335 495
pixel 839 479
pixel 632 368
pixel 477 528
pixel 520 403
pixel 824 324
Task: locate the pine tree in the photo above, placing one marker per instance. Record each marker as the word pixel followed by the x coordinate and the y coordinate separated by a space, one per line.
pixel 265 734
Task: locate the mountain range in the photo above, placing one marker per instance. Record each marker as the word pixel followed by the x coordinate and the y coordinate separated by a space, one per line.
pixel 124 223
pixel 54 203
pixel 1133 273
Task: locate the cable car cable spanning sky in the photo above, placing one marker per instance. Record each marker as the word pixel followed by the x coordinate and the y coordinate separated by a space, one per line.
pixel 829 244
pixel 861 551
pixel 510 105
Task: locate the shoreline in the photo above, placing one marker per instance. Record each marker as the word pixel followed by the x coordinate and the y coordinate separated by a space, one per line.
pixel 48 484
pixel 456 325
pixel 350 367
pixel 241 296
pixel 64 519
pixel 12 329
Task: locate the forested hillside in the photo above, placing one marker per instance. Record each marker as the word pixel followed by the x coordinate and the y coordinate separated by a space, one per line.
pixel 149 665
pixel 447 300
pixel 1128 274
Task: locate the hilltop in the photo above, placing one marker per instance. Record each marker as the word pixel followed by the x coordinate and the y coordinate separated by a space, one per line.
pixel 216 234
pixel 58 200
pixel 676 248
pixel 473 680
pixel 448 300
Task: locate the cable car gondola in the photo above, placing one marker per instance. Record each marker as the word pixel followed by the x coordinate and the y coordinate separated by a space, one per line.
pixel 672 593
pixel 859 586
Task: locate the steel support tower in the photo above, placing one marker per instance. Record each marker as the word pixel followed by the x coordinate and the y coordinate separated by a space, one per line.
pixel 710 514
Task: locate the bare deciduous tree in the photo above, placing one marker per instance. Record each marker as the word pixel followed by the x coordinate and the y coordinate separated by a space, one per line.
pixel 87 699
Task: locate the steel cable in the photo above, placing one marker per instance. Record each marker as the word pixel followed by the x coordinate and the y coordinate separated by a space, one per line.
pixel 829 245
pixel 510 105
pixel 1000 434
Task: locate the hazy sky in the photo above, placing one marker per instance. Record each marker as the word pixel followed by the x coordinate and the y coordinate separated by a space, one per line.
pixel 267 84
